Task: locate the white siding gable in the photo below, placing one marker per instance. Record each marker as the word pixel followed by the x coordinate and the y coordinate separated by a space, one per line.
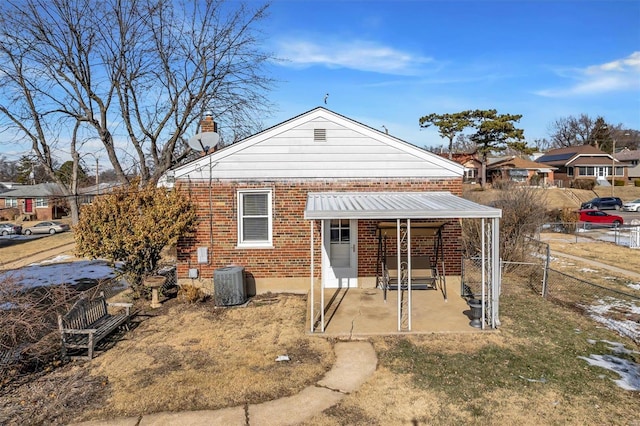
pixel 290 150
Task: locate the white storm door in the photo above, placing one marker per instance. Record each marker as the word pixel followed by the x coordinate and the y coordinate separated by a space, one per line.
pixel 340 253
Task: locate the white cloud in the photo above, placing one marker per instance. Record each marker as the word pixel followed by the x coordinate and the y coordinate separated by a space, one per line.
pixel 619 75
pixel 356 55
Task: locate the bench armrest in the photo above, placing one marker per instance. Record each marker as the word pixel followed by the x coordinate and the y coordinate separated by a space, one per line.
pixel 127 306
pixel 82 331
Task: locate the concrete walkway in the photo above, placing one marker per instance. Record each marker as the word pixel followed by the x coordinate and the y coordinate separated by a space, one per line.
pixel 355 362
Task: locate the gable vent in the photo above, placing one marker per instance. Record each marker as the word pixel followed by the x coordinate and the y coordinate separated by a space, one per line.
pixel 319 135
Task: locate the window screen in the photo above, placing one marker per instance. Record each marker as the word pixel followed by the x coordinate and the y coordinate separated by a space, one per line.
pixel 255 217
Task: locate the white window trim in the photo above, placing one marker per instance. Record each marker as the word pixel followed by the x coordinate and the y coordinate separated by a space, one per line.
pixel 11 202
pixel 41 202
pixel 255 244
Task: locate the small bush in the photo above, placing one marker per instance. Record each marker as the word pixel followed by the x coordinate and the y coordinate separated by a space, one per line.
pixel 503 184
pixel 636 182
pixel 523 212
pixel 583 184
pixel 29 340
pixel 569 219
pixel 535 180
pixel 191 294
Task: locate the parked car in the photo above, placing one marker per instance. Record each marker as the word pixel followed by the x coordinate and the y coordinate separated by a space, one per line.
pixel 10 228
pixel 632 206
pixel 593 216
pixel 603 203
pixel 50 227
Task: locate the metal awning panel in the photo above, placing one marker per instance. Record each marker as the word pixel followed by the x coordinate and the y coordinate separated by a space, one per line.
pixel 388 205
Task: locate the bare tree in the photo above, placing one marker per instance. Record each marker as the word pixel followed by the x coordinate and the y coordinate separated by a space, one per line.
pixel 523 212
pixel 134 75
pixel 464 144
pixel 582 130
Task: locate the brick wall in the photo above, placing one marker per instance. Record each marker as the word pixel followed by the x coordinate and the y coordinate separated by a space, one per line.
pixel 290 255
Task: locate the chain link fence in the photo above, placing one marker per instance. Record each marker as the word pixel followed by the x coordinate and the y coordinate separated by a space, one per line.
pixel 625 235
pixel 616 309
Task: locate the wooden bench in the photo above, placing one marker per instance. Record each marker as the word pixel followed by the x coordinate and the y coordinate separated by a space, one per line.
pixel 88 322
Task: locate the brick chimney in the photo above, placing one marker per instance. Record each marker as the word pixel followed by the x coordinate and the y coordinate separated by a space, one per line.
pixel 207 124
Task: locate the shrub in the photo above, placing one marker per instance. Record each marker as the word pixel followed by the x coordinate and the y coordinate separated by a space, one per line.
pixel 636 182
pixel 133 225
pixel 583 184
pixel 523 212
pixel 535 180
pixel 29 338
pixel 191 294
pixel 503 184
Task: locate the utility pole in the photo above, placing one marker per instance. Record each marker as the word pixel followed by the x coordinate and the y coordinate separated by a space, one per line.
pixel 97 177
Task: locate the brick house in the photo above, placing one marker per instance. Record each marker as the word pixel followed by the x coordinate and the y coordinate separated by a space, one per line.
pixel 520 170
pixel 43 201
pixel 299 205
pixel 472 165
pixel 583 162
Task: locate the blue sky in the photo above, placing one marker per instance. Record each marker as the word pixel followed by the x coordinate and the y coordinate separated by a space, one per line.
pixel 391 62
pixel 388 63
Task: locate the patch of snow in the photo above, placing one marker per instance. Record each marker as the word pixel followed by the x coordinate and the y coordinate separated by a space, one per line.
pixel 48 273
pixel 628 371
pixel 588 270
pixel 591 341
pixel 58 259
pixel 627 328
pixel 618 348
pixel 635 286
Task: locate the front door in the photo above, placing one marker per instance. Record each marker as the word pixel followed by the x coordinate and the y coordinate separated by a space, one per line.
pixel 340 253
pixel 28 205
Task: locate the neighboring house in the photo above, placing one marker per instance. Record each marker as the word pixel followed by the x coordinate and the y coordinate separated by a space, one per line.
pixel 300 205
pixel 472 165
pixel 520 170
pixel 43 201
pixel 583 162
pixel 632 159
pixel 88 193
pixel 8 186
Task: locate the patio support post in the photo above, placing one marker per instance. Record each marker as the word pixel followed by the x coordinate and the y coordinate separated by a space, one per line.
pixel 312 319
pixel 483 261
pixel 322 283
pixel 398 255
pixel 409 274
pixel 496 273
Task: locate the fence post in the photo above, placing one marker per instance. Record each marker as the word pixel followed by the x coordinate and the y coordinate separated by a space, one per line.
pixel 545 274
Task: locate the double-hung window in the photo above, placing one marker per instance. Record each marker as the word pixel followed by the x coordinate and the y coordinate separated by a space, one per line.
pixel 11 202
pixel 42 202
pixel 254 218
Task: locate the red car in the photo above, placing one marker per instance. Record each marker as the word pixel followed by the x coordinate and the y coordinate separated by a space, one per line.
pixel 590 216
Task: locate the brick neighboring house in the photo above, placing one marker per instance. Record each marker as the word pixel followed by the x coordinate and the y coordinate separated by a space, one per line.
pixel 302 202
pixel 43 201
pixel 472 165
pixel 520 170
pixel 632 159
pixel 583 162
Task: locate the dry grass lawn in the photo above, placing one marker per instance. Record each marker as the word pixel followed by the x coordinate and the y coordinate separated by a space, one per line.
pixel 191 357
pixel 195 356
pixel 17 249
pixel 559 198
